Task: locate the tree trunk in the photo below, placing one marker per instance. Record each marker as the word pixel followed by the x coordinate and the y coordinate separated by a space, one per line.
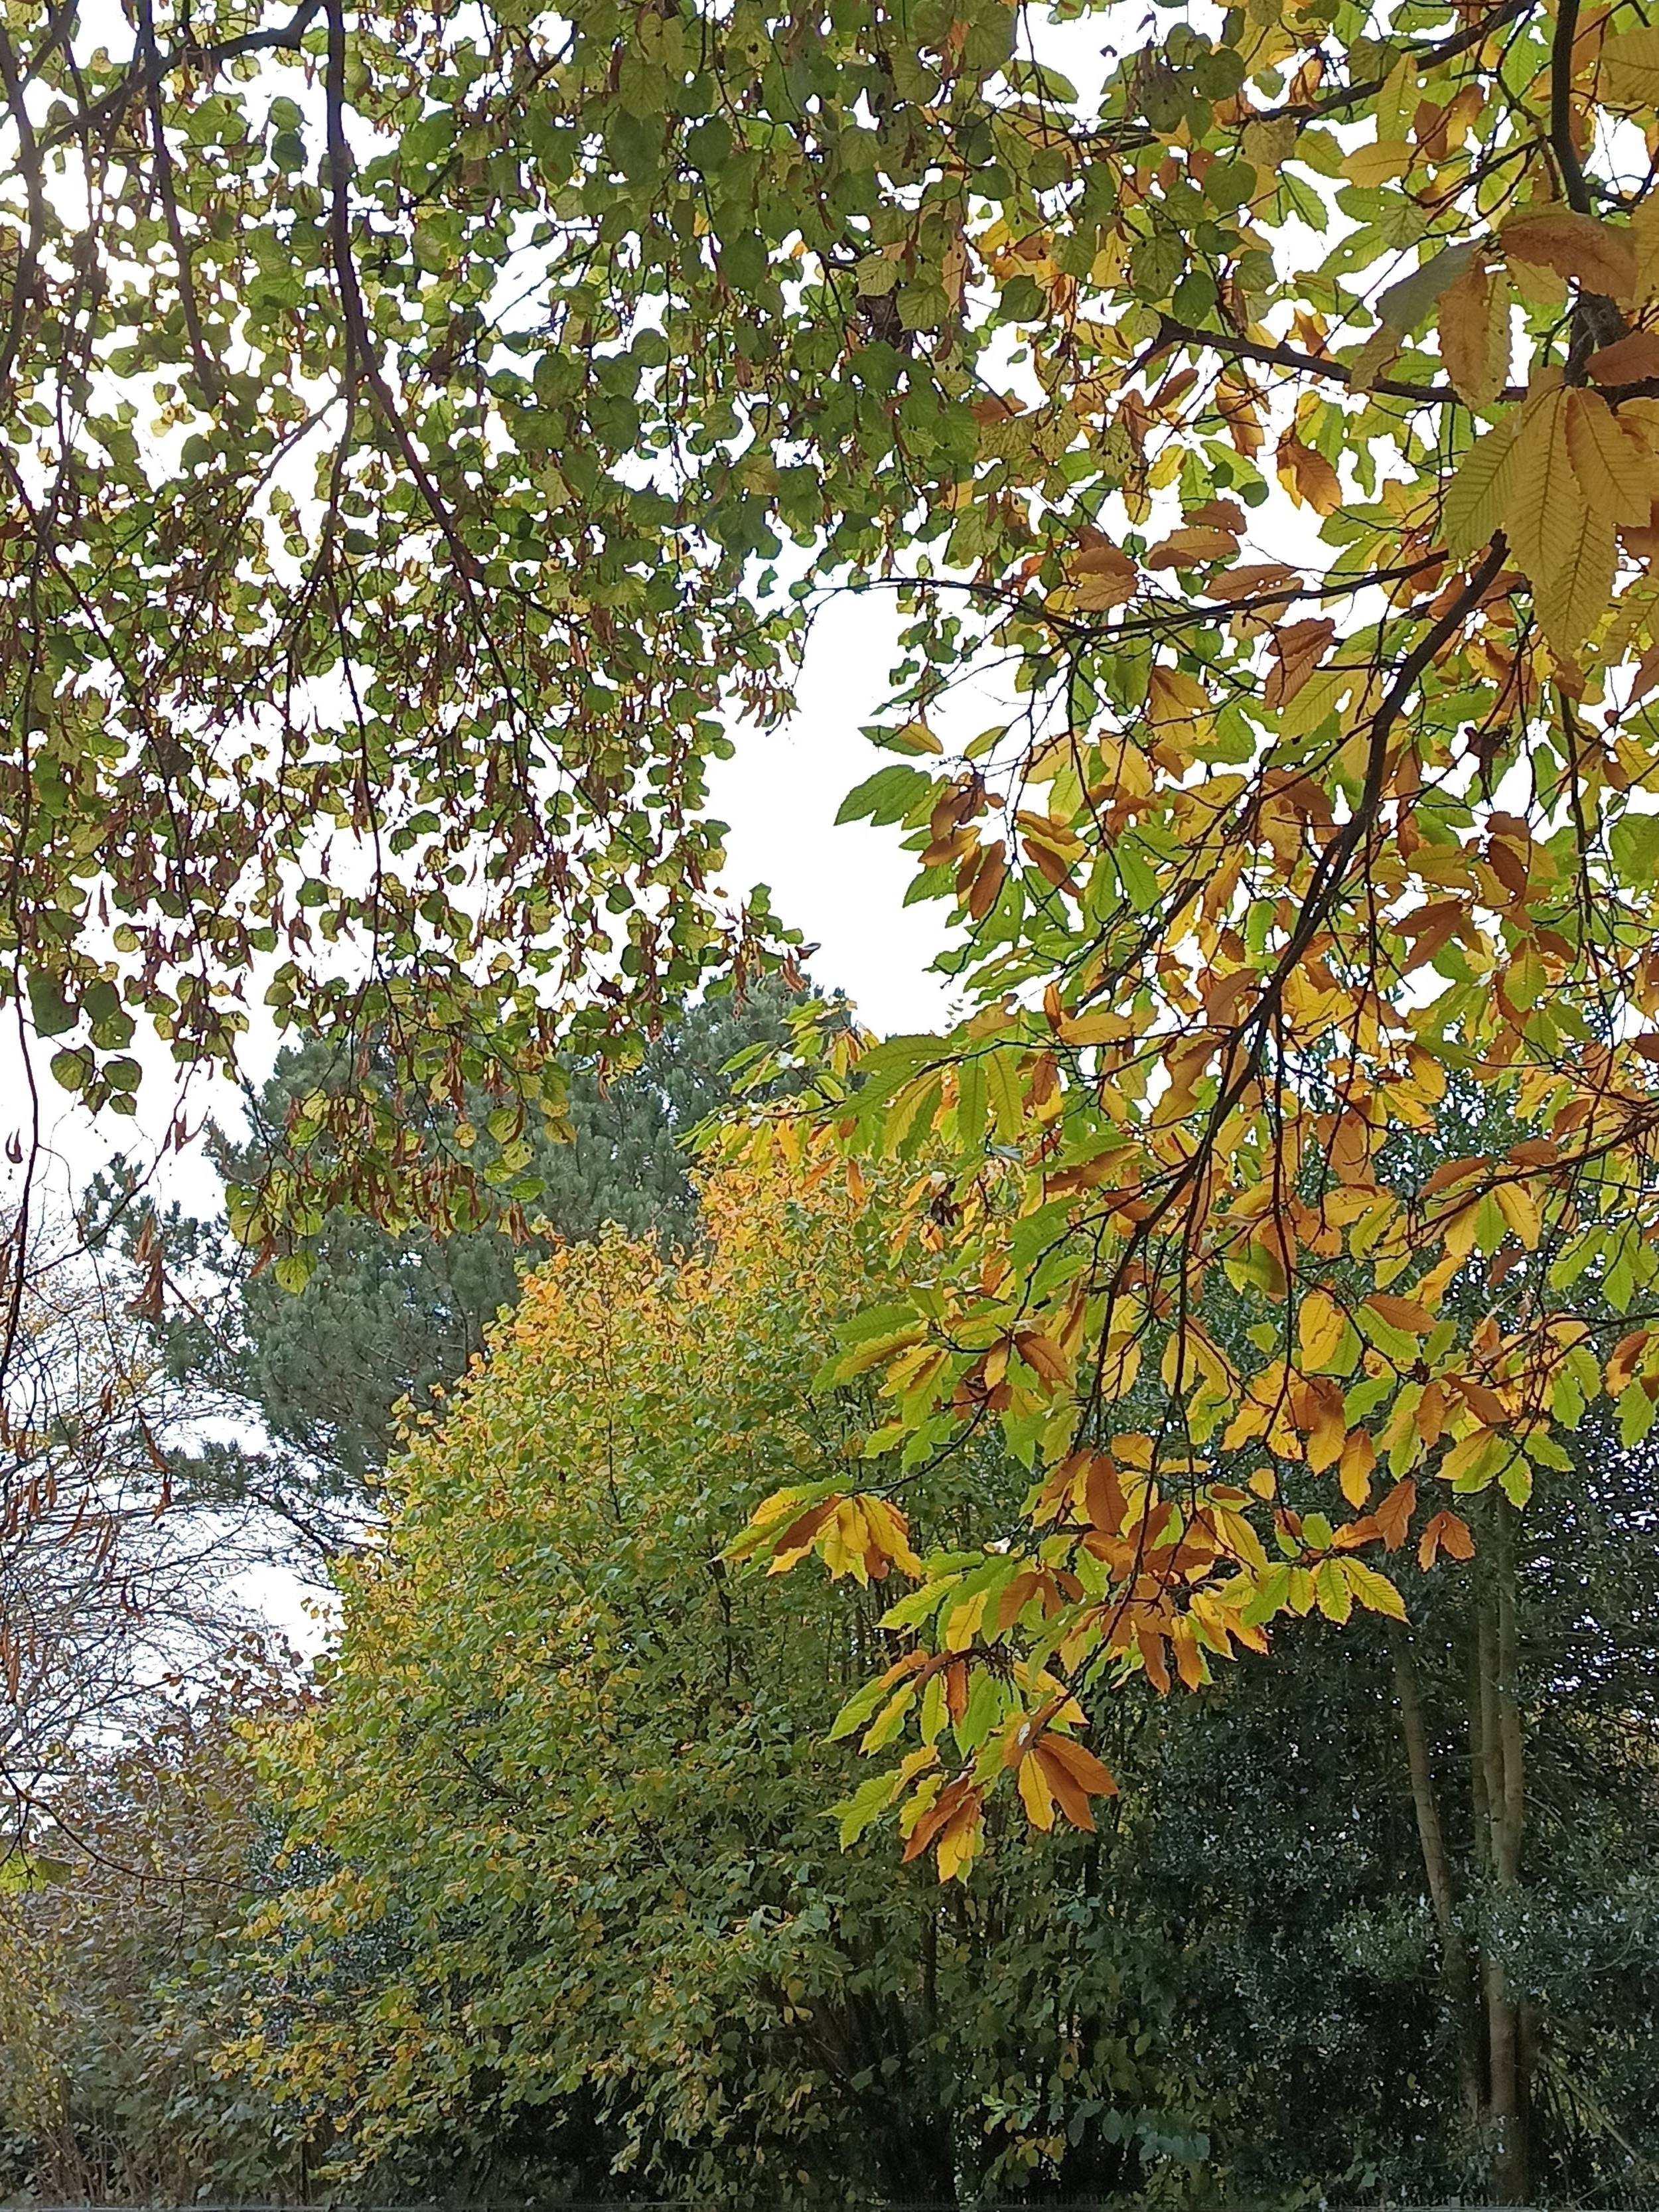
pixel 1455 1968
pixel 1497 1769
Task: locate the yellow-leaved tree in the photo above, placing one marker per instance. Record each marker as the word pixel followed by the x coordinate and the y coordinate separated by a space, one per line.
pixel 1291 1179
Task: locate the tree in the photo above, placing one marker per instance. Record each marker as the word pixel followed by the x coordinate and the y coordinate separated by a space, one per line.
pixel 557 1888
pixel 1321 783
pixel 560 1901
pixel 119 1908
pixel 383 1317
pixel 104 1592
pixel 1370 1977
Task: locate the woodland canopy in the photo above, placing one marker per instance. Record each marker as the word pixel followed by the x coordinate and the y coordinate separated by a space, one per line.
pixel 427 436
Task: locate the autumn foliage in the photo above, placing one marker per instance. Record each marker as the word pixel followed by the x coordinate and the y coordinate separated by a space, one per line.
pixel 1267 420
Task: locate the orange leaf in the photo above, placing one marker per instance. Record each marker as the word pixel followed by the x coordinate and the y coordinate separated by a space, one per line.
pixel 937 1817
pixel 1081 1763
pixel 1393 1516
pixel 1069 1794
pixel 1102 1498
pixel 1486 1404
pixel 1622 1360
pixel 1445 1532
pixel 1043 1357
pixel 1308 476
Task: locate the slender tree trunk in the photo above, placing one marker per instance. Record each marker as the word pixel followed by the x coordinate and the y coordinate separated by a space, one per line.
pixel 1454 1968
pixel 1498 1767
pixel 1513 2166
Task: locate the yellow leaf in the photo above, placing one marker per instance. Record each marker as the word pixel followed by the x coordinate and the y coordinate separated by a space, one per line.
pixel 958 1844
pixel 1379 163
pixel 1601 258
pixel 1478 491
pixel 1320 1327
pixel 1329 1432
pixel 1464 1456
pixel 1175 699
pixel 1332 1592
pixel 1610 466
pixel 1354 1473
pixel 1374 1590
pixel 879 1348
pixel 1474 334
pixel 1629 77
pixel 1035 1794
pixel 1566 550
pixel 1520 1209
pixel 1095 1028
pixel 890 1532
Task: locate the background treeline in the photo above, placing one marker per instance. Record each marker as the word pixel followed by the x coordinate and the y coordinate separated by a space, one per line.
pixel 529 1893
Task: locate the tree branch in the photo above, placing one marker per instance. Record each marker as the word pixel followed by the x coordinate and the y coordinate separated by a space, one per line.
pixel 1171 333
pixel 28 260
pixel 1573 184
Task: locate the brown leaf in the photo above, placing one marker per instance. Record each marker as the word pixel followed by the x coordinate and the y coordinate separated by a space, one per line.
pixel 988 879
pixel 1298 648
pixel 1308 476
pixel 1187 549
pixel 1451 1171
pixel 1600 258
pixel 1219 514
pixel 1630 360
pixel 1255 580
